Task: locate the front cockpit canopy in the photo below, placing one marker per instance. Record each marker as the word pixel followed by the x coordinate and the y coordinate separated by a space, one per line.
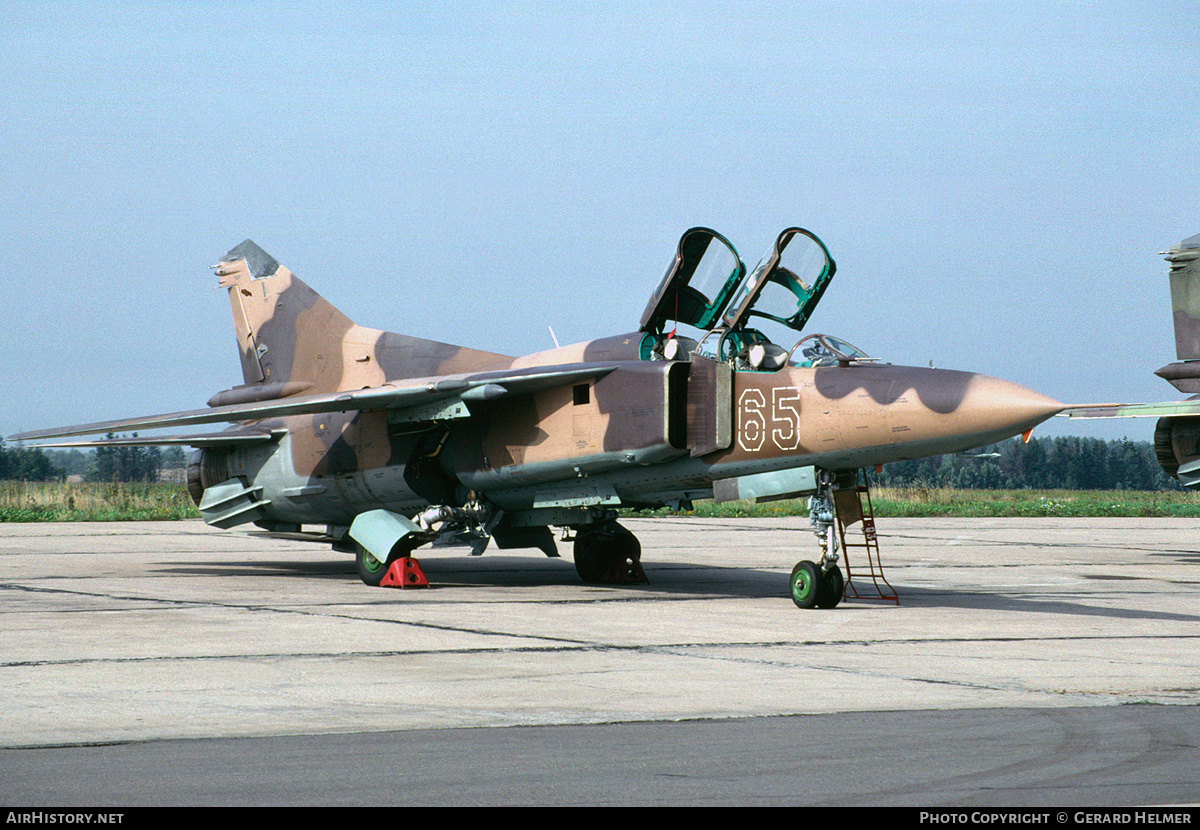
pixel 697 285
pixel 787 283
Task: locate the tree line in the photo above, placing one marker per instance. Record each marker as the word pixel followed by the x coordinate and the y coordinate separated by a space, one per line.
pixel 116 463
pixel 1068 463
pixel 25 464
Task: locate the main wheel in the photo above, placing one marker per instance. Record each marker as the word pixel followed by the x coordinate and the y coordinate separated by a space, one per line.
pixel 806 583
pixel 831 588
pixel 371 570
pixel 592 560
pixel 598 551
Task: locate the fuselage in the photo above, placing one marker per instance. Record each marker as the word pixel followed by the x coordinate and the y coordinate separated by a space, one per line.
pixel 649 432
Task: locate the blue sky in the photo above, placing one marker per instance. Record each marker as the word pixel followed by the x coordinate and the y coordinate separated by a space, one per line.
pixel 994 179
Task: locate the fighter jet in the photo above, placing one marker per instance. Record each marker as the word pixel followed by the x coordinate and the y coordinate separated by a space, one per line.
pixel 390 442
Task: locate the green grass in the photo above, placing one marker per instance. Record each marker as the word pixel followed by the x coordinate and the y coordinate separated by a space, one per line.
pixel 920 502
pixel 925 501
pixel 93 502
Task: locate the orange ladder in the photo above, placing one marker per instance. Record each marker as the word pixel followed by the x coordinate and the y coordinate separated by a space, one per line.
pixel 854 505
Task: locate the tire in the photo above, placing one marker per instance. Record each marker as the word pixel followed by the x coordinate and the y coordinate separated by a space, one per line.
pixel 831 588
pixel 592 560
pixel 805 584
pixel 1164 447
pixel 370 570
pixel 599 550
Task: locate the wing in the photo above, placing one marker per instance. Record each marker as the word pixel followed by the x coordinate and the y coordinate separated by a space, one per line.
pixel 419 398
pixel 229 438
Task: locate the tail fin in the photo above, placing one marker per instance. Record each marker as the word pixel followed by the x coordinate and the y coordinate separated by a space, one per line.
pixel 1185 307
pixel 286 332
pixel 1185 297
pixel 1177 439
pixel 291 339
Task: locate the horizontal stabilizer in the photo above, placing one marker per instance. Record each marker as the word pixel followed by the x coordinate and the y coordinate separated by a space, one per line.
pixel 1168 409
pixel 399 396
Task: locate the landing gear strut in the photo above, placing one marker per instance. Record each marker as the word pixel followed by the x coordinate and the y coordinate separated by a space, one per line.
pixel 820 584
pixel 608 553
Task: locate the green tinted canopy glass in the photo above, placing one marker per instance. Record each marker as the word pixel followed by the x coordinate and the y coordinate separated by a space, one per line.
pixel 786 285
pixel 697 286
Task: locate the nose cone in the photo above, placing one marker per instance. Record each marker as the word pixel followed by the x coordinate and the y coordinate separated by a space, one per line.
pixel 919 403
pixel 992 409
pixel 929 412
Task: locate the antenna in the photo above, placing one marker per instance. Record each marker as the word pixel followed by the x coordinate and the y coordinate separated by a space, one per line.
pixel 552 337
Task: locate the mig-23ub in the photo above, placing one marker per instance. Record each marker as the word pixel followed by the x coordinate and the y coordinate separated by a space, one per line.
pixel 391 441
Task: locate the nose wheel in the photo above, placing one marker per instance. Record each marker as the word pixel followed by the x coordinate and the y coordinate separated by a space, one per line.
pixel 816 587
pixel 805 582
pixel 820 584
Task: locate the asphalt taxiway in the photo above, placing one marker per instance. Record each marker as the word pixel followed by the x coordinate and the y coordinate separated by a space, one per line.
pixel 1023 651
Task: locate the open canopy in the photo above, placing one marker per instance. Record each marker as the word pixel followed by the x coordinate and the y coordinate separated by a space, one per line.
pixel 698 285
pixel 707 273
pixel 786 285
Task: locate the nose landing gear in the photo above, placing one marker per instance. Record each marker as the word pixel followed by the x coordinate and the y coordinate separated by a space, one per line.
pixel 820 584
pixel 840 501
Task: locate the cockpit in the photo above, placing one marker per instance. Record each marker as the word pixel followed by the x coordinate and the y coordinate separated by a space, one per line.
pixel 706 288
pixel 824 350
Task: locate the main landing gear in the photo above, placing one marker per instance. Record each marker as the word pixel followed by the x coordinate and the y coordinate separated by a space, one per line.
pixel 606 552
pixel 375 573
pixel 820 584
pixel 383 542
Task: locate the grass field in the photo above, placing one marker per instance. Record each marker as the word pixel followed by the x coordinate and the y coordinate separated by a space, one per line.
pixel 58 502
pixel 92 502
pixel 947 501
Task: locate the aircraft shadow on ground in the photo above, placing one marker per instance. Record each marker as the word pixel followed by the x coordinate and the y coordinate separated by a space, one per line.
pixel 674 580
pixel 999 600
pixel 447 571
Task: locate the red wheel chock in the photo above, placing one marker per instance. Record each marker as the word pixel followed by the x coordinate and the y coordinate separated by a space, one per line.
pixel 405 572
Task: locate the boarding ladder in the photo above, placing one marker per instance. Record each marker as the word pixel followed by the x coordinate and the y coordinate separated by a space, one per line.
pixel 854 505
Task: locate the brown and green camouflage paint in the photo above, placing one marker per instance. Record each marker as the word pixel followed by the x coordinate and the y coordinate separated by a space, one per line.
pixel 646 413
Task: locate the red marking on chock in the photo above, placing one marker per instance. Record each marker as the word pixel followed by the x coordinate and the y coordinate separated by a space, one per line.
pixel 405 572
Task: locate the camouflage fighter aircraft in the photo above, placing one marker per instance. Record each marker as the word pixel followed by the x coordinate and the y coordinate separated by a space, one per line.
pixel 391 441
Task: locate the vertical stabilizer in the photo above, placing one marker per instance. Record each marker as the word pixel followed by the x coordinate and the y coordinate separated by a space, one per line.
pixel 1185 297
pixel 290 339
pixel 286 332
pixel 1177 439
